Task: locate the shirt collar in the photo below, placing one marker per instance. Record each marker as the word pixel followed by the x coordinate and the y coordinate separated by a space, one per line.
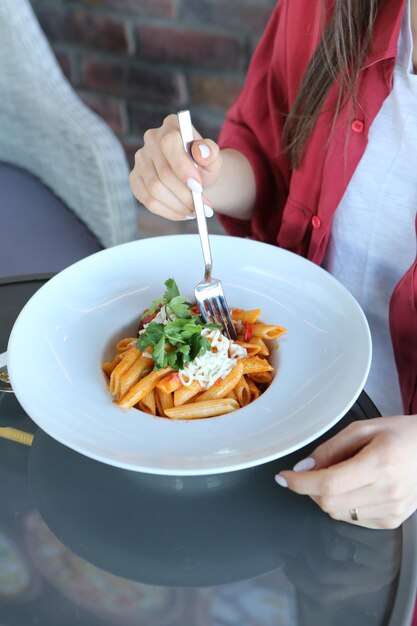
pixel 386 32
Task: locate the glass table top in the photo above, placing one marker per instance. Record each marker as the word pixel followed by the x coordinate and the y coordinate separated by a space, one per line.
pixel 83 543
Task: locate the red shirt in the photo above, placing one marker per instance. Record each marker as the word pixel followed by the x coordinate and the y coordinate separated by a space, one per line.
pixel 294 208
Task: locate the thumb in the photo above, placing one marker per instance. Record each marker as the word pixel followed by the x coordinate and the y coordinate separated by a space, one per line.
pixel 205 153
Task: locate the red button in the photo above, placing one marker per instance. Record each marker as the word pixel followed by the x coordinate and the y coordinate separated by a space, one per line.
pixel 357 126
pixel 315 221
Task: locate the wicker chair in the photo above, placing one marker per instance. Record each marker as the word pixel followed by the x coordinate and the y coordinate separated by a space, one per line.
pixel 47 131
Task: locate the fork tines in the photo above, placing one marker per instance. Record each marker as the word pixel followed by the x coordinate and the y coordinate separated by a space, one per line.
pixel 215 310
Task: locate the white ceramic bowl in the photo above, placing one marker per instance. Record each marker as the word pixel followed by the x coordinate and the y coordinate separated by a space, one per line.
pixel 69 327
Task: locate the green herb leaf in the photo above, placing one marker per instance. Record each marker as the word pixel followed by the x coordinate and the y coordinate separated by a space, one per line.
pixel 199 346
pixel 190 328
pixel 183 356
pixel 172 360
pixel 180 331
pixel 155 304
pixel 150 336
pixel 159 353
pixel 172 290
pixel 180 307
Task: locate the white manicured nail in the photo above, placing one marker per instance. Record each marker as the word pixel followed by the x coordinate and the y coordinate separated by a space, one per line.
pixel 305 465
pixel 204 150
pixel 189 217
pixel 194 185
pixel 281 481
pixel 208 211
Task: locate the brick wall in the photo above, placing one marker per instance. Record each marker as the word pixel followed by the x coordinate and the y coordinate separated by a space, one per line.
pixel 135 61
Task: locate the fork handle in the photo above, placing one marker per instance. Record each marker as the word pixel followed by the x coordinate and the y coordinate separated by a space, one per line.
pixel 186 130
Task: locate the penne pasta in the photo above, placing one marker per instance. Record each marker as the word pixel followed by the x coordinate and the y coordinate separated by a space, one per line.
pixel 125 344
pixel 256 364
pixel 242 392
pixel 245 315
pixel 173 345
pixel 107 369
pixel 109 366
pixel 141 388
pixel 148 403
pixel 251 347
pixel 170 383
pixel 223 387
pixel 261 377
pixel 126 361
pixel 198 410
pixel 263 348
pixel 139 368
pixel 184 394
pixel 255 392
pixel 163 401
pixel 267 331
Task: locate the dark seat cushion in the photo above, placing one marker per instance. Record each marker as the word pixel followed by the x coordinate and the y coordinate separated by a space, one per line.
pixel 38 233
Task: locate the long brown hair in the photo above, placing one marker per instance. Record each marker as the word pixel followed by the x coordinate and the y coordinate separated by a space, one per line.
pixel 339 56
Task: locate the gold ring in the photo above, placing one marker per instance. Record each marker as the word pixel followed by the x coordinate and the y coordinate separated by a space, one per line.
pixel 354 514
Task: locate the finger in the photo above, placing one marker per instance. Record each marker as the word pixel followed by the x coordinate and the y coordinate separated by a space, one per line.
pixel 205 153
pixel 385 492
pixel 179 189
pixel 161 210
pixel 157 190
pixel 152 204
pixel 174 194
pixel 137 186
pixel 375 516
pixel 343 445
pixel 360 470
pixel 370 495
pixel 178 159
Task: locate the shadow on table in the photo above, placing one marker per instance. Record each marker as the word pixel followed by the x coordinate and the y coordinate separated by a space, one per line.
pixel 203 530
pixel 229 549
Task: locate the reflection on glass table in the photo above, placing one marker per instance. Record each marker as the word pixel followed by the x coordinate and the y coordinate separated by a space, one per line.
pixel 100 545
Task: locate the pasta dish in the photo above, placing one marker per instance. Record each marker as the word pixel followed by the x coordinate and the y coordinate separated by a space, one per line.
pixel 182 368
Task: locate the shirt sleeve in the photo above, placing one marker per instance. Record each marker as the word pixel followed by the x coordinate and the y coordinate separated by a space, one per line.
pixel 253 126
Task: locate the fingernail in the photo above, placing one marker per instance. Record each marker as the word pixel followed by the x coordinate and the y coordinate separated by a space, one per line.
pixel 281 481
pixel 305 465
pixel 189 217
pixel 194 185
pixel 208 211
pixel 204 150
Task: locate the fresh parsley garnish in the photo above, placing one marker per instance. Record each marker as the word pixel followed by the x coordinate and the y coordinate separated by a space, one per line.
pixel 180 307
pixel 172 290
pixel 178 341
pixel 154 333
pixel 172 300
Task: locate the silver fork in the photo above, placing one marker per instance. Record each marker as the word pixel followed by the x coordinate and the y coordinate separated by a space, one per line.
pixel 208 293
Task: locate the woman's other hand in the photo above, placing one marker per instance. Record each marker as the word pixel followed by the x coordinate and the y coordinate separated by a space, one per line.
pixel 164 174
pixel 369 468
